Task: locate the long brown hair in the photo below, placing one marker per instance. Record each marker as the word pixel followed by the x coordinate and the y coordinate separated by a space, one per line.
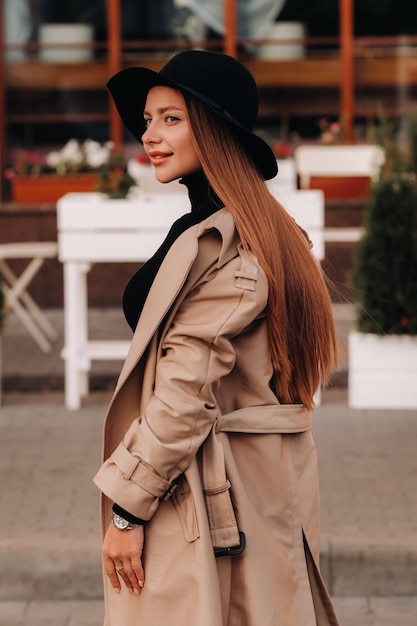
pixel 300 320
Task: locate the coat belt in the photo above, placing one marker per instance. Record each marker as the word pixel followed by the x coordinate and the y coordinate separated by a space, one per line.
pixel 269 419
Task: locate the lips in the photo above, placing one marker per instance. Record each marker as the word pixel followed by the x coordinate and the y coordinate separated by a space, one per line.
pixel 157 157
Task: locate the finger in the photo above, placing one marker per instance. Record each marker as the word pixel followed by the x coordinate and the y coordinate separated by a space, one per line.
pixel 109 568
pixel 122 572
pixel 134 575
pixel 137 568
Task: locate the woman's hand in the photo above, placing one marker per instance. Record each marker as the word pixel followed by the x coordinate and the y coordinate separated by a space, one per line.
pixel 122 552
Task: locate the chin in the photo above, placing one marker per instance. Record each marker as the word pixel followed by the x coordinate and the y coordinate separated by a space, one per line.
pixel 165 179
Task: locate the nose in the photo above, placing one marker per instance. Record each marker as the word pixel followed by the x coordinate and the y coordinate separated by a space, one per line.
pixel 150 135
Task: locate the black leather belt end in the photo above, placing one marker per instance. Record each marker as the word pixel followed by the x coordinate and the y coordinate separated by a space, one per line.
pixel 234 549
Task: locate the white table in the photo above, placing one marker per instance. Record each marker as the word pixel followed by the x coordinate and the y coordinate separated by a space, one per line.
pixel 94 229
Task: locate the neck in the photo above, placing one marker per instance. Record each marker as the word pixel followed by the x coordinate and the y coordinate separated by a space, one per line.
pixel 202 196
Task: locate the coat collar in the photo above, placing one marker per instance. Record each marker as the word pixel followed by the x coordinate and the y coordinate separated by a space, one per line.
pixel 167 284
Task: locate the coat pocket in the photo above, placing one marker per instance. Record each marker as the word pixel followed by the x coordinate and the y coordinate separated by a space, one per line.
pixel 183 501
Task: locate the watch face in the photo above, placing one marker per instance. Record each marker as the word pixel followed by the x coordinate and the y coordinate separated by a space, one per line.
pixel 119 522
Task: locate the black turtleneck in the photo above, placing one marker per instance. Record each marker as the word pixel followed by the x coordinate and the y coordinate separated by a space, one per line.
pixel 204 203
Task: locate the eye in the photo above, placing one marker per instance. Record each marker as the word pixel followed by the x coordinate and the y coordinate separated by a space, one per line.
pixel 171 119
pixel 146 122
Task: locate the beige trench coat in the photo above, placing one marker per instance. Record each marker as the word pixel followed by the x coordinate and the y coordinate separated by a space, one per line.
pixel 196 442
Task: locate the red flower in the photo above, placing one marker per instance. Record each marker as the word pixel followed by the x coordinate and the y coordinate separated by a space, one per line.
pixel 281 150
pixel 405 321
pixel 143 158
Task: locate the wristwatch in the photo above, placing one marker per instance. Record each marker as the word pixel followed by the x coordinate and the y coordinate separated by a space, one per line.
pixel 121 523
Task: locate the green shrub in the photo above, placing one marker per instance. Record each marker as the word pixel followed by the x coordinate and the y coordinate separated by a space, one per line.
pixel 384 274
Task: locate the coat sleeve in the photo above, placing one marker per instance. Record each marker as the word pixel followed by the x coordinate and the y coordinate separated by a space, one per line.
pixel 196 352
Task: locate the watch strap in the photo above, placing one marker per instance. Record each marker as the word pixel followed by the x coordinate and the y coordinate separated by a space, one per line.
pixel 132 519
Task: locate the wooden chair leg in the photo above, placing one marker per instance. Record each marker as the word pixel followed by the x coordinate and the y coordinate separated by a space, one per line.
pixel 30 314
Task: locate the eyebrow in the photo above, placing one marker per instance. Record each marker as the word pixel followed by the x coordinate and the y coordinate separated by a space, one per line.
pixel 163 110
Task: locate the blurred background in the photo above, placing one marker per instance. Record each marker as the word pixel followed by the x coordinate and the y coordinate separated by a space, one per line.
pixel 329 72
pixel 337 83
pixel 47 102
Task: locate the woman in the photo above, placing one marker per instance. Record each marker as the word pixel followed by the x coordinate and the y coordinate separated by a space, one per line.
pixel 210 466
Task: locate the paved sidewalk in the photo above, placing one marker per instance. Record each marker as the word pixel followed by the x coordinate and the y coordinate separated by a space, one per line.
pixel 393 611
pixel 49 527
pixel 49 536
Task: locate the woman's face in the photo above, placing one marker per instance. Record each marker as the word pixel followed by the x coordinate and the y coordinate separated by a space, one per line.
pixel 167 138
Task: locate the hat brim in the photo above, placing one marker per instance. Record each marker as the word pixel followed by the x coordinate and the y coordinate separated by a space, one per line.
pixel 129 89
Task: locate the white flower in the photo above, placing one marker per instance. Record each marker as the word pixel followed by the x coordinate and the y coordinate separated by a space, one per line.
pixel 95 154
pixel 75 156
pixel 72 152
pixel 90 146
pixel 98 158
pixel 53 158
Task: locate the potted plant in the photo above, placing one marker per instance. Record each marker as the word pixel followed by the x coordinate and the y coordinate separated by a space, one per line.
pixel 114 179
pixel 80 167
pixel 383 348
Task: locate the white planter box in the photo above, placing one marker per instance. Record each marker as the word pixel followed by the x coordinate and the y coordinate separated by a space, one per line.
pixel 382 371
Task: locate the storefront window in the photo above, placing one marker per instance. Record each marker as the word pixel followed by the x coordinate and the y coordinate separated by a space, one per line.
pixel 50 98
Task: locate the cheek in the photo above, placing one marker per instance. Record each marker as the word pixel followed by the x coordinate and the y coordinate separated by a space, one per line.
pixel 189 153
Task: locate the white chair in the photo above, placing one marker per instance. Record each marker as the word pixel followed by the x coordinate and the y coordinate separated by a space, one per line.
pixel 18 298
pixel 341 169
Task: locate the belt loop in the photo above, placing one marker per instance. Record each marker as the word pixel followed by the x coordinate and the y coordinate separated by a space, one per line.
pixel 221 516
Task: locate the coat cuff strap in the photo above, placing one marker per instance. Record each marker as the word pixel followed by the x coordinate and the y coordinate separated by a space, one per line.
pixel 133 468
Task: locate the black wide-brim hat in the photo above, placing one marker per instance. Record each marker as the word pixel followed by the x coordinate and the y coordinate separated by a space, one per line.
pixel 220 81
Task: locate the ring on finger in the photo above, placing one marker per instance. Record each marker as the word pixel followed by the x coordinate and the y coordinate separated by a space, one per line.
pixel 119 569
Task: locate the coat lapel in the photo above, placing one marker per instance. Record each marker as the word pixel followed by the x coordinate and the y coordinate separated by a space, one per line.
pixel 169 281
pixel 164 290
